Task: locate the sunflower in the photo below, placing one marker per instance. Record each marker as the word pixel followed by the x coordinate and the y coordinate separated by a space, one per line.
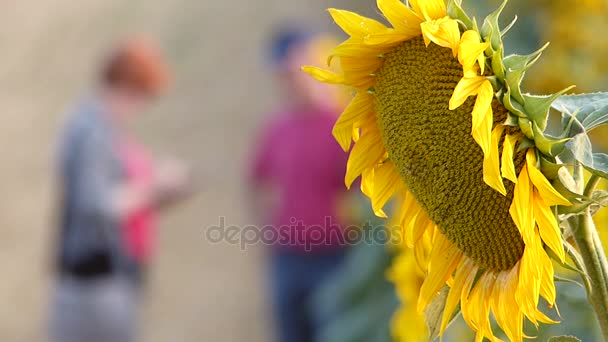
pixel 407 324
pixel 439 120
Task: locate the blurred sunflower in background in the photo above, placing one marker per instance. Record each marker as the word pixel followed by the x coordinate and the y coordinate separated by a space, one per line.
pixel 575 51
pixel 439 120
pixel 407 324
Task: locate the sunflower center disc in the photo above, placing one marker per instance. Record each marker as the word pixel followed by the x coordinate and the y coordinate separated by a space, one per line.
pixel 441 164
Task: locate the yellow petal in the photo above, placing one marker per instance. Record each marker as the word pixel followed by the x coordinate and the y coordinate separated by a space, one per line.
pixel 483 133
pixel 410 211
pixel 533 282
pixel 367 182
pixel 387 38
pixel 505 308
pixel 386 182
pixel 368 187
pixel 323 75
pixel 485 95
pixel 471 50
pixel 512 322
pixel 445 256
pixel 400 16
pixel 483 118
pixel 481 302
pixel 443 32
pixel 365 154
pixel 360 72
pixel 547 285
pixel 360 65
pixel 354 24
pixel 508 167
pixel 491 163
pixel 548 227
pixel 360 110
pixel 420 226
pixel 466 87
pixel 465 295
pixel 463 270
pixel 356 48
pixel 521 209
pixel 546 190
pixel 528 291
pixel 421 252
pixel 430 9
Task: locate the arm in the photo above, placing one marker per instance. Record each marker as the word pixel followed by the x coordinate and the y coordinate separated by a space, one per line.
pixel 102 192
pixel 261 196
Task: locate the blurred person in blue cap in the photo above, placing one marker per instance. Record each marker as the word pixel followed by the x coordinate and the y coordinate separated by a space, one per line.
pixel 111 194
pixel 297 183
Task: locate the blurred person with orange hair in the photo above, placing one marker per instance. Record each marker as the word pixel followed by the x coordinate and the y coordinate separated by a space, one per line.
pixel 111 193
pixel 297 183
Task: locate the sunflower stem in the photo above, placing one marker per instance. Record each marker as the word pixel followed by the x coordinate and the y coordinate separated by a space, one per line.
pixel 591 185
pixel 594 258
pixel 579 177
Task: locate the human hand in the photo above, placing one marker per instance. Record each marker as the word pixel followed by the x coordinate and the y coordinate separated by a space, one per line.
pixel 173 180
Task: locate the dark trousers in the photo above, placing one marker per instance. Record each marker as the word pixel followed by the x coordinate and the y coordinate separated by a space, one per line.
pixel 295 276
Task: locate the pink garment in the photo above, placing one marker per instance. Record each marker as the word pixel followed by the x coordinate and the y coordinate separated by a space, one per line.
pixel 299 157
pixel 139 226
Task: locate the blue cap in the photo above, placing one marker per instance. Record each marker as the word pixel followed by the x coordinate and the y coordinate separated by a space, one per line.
pixel 285 39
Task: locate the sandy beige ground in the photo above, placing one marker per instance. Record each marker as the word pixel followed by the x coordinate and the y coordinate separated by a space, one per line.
pixel 198 291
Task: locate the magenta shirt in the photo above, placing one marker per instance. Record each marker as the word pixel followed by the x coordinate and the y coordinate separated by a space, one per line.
pixel 299 157
pixel 139 227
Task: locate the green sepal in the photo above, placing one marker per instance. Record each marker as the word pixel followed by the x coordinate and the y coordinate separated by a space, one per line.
pixel 508 27
pixel 497 67
pixel 512 105
pixel 511 120
pixel 433 314
pixel 490 30
pixel 525 126
pixel 516 67
pixel 455 11
pixel 537 107
pixel 549 168
pixel 598 200
pixel 557 278
pixel 525 144
pixel 548 145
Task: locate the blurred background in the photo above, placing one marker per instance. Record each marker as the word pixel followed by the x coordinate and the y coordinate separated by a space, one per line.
pixel 221 94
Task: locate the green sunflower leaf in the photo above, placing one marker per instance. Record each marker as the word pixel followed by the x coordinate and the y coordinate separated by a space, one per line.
pixel 580 149
pixel 599 165
pixel 600 200
pixel 563 339
pixel 591 110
